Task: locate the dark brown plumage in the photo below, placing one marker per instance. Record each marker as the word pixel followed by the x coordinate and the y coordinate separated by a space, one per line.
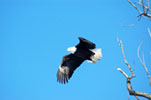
pixel 68 65
pixel 81 52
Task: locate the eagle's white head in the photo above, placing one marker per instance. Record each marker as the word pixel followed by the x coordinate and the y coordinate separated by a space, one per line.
pixel 72 49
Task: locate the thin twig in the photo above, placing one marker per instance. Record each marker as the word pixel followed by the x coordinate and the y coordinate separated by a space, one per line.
pixel 139 18
pixel 121 45
pixel 137 97
pixel 143 58
pixel 119 69
pixel 138 50
pixel 147 6
pixel 149 31
pixel 144 6
pixel 134 6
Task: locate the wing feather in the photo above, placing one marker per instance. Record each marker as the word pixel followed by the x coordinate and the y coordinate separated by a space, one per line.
pixel 68 65
pixel 84 43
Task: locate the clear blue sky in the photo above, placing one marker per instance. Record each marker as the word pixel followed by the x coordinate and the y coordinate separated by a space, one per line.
pixel 34 36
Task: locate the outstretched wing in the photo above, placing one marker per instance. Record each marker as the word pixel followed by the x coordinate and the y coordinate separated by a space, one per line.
pixel 85 44
pixel 69 64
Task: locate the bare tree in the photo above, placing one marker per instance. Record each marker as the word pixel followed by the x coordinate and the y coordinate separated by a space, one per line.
pixel 143 8
pixel 145 12
pixel 128 78
pixel 143 62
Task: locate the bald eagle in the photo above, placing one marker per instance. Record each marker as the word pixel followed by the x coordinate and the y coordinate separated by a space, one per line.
pixel 85 50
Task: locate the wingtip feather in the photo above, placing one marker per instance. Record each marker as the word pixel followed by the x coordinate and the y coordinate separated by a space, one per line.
pixel 62 77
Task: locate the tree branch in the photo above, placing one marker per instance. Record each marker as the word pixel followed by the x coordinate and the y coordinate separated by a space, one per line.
pixel 133 23
pixel 149 31
pixel 136 93
pixel 134 6
pixel 129 87
pixel 143 5
pixel 121 45
pixel 147 5
pixel 143 62
pixel 119 69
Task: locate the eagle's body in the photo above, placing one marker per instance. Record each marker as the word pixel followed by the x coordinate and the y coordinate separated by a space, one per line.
pixel 85 50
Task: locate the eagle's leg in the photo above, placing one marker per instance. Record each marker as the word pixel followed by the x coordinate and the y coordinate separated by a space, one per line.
pixel 94 59
pixel 94 62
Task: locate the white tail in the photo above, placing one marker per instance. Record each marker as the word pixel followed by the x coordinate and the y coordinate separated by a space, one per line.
pixel 97 56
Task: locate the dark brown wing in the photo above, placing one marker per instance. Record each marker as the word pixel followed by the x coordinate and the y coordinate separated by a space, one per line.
pixel 69 64
pixel 86 44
